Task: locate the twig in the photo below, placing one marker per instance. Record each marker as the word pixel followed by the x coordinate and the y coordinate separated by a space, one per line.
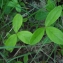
pixel 17 52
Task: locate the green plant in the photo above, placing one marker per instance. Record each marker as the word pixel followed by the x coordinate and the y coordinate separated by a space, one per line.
pixel 25 59
pixel 32 38
pixel 42 13
pixel 15 4
pixel 50 5
pixel 12 40
pixel 18 62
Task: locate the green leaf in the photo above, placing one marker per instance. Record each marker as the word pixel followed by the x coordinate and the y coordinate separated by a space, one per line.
pixel 55 35
pixel 11 4
pixel 25 59
pixel 17 22
pixel 7 10
pixel 22 4
pixel 15 1
pixel 61 46
pixel 53 16
pixel 50 5
pixel 18 62
pixel 25 19
pixel 37 35
pixel 41 14
pixel 18 8
pixel 11 42
pixel 25 36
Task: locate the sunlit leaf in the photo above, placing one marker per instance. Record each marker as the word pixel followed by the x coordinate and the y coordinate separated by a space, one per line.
pixel 53 16
pixel 11 42
pixel 55 35
pixel 17 22
pixel 37 36
pixel 25 36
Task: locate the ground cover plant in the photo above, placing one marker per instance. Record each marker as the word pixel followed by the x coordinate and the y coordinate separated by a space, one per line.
pixel 31 31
